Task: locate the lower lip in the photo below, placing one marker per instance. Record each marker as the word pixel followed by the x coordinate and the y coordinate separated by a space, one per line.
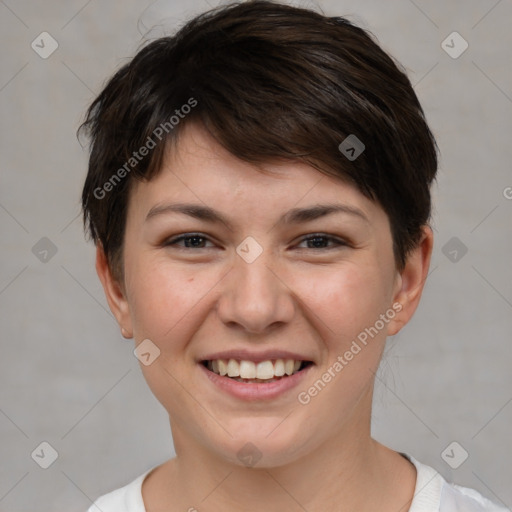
pixel 253 391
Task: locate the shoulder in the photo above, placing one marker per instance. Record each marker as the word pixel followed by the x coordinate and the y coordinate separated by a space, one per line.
pixel 127 498
pixel 434 494
pixel 456 497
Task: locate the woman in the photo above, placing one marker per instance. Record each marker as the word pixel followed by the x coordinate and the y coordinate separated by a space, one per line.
pixel 259 194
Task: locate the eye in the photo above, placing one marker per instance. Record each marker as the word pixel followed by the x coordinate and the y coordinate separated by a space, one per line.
pixel 198 241
pixel 319 241
pixel 191 241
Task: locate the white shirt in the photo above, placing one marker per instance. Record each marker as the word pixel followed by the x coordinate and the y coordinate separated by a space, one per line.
pixel 431 494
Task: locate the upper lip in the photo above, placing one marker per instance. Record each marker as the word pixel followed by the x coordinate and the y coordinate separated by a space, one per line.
pixel 256 357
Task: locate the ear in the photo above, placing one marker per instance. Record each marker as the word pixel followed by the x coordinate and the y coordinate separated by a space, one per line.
pixel 411 280
pixel 114 293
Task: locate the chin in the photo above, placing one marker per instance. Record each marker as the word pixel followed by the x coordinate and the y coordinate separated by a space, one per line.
pixel 262 445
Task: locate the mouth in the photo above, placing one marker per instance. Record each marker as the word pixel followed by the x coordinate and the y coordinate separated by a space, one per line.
pixel 250 372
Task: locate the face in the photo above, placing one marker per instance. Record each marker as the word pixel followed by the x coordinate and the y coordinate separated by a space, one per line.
pixel 255 274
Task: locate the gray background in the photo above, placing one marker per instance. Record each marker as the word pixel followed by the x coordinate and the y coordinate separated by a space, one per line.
pixel 70 379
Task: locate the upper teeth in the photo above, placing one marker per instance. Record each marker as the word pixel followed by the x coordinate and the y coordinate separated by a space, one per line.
pixel 251 370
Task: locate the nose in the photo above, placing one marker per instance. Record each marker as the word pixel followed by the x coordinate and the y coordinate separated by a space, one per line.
pixel 255 297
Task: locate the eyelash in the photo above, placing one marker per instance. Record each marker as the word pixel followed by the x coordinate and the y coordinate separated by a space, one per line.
pixel 337 241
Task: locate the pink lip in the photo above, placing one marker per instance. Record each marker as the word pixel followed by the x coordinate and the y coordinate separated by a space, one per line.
pixel 267 355
pixel 251 391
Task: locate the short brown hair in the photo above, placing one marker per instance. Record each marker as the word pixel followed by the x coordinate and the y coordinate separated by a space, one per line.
pixel 269 82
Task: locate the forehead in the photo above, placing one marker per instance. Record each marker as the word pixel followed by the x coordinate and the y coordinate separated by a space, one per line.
pixel 196 168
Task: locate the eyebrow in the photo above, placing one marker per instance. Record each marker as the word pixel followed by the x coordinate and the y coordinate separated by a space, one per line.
pixel 293 216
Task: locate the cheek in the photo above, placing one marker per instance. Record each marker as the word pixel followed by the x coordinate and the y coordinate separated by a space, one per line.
pixel 169 301
pixel 164 300
pixel 167 307
pixel 347 305
pixel 344 301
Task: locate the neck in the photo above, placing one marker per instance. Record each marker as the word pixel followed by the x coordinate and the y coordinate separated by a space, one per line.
pixel 350 471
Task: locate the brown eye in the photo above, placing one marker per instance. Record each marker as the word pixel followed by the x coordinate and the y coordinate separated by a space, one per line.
pixel 190 240
pixel 320 241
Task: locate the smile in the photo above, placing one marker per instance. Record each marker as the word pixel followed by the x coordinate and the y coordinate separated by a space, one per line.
pixel 249 371
pixel 249 380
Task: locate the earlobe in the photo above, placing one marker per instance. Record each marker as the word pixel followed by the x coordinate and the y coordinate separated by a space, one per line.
pixel 114 293
pixel 411 281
